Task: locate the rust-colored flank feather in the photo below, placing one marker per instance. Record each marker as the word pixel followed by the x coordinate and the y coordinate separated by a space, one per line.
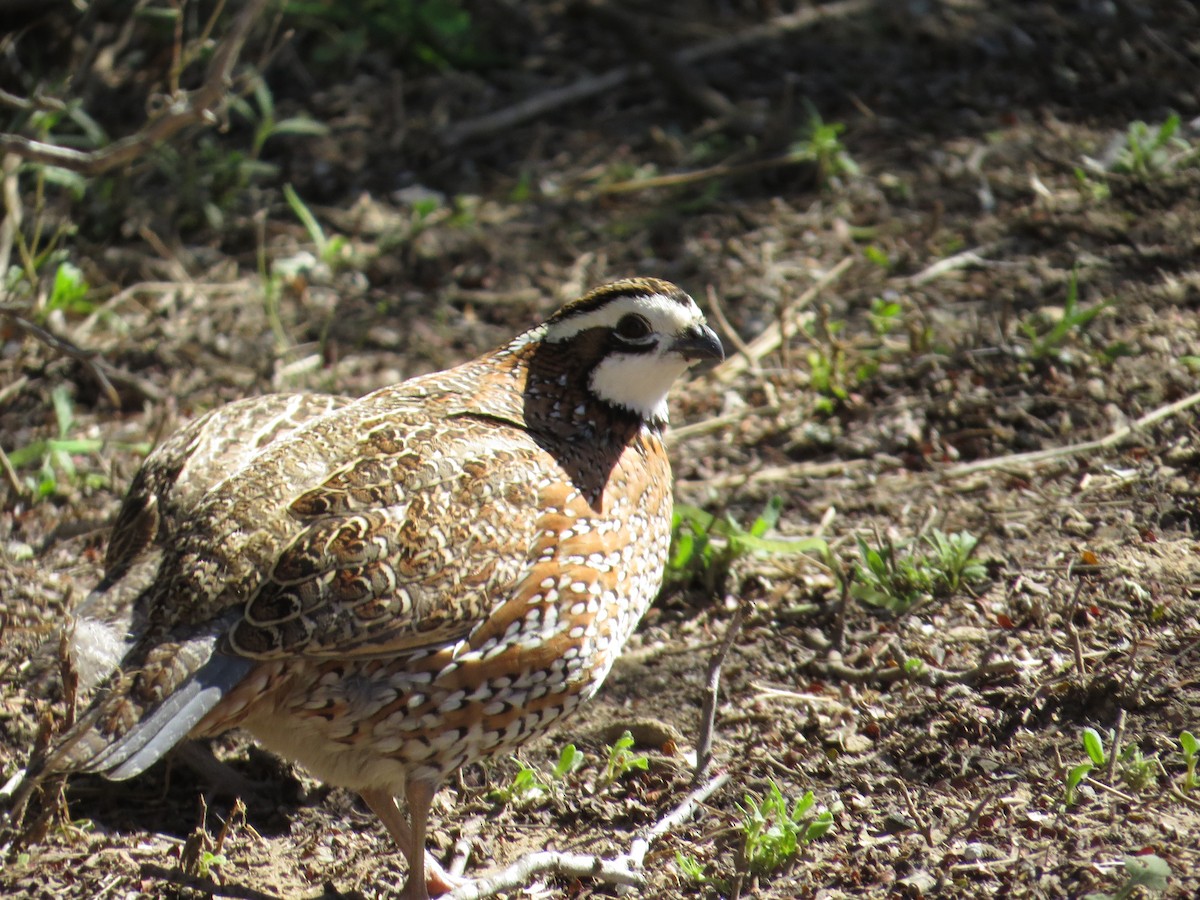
pixel 388 588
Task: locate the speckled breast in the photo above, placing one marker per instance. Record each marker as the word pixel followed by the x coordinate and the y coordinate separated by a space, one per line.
pixel 595 563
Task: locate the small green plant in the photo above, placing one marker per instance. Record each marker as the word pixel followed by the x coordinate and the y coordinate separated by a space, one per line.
pixel 528 784
pixel 1150 872
pixel 569 759
pixel 54 457
pixel 1190 748
pixel 331 251
pixel 622 760
pixel 704 546
pixel 773 834
pixel 878 256
pixel 522 191
pixel 1047 342
pixel 1151 151
pixel 1093 745
pixel 436 33
pixel 885 316
pixel 524 786
pixel 888 580
pixel 1136 770
pixel 423 208
pixel 73 829
pixel 208 861
pixel 821 144
pixel 201 853
pixel 832 378
pixel 1139 772
pixel 953 561
pixel 834 373
pixel 1075 777
pixel 897 581
pixel 209 180
pixel 69 291
pixel 1097 190
pixel 261 116
pixel 691 868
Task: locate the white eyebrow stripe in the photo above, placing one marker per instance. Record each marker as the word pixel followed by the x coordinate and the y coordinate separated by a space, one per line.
pixel 666 314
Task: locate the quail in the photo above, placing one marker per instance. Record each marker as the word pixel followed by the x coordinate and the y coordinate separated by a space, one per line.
pixel 386 589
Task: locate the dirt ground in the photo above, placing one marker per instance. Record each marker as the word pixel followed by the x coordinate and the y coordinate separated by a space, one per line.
pixel 921 384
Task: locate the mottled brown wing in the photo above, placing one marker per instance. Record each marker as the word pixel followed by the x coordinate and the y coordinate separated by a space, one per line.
pixel 411 546
pixel 179 471
pixel 159 679
pixel 163 496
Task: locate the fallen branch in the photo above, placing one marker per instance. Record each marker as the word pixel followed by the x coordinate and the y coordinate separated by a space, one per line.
pixel 547 862
pixel 1036 457
pixel 31 104
pixel 187 108
pixel 712 693
pixel 677 816
pixel 540 104
pixel 14 211
pixel 622 870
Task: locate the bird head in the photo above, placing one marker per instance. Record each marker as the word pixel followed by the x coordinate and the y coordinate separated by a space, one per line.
pixel 633 339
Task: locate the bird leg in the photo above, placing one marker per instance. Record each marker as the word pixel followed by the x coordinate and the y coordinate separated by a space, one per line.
pixel 412 840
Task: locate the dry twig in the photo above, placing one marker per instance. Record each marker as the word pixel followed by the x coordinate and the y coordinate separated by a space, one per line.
pixel 540 104
pixel 718 311
pixel 712 693
pixel 1117 436
pixel 623 870
pixel 14 212
pixel 963 260
pixel 61 345
pixel 774 336
pixel 676 179
pixel 186 109
pixel 670 68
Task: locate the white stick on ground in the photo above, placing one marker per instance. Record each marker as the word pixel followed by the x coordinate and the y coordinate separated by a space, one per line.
pixel 622 870
pixel 1022 461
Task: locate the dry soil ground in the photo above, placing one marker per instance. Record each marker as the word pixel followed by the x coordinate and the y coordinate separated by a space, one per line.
pixel 919 300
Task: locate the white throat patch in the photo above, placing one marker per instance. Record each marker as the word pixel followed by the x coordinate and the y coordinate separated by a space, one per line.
pixel 638 382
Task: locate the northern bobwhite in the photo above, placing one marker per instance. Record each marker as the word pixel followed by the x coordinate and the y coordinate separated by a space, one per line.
pixel 388 588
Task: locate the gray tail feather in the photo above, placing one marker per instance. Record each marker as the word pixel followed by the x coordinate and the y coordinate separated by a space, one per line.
pixel 84 749
pixel 170 723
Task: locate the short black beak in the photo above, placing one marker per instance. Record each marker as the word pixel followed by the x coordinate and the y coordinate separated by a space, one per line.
pixel 699 342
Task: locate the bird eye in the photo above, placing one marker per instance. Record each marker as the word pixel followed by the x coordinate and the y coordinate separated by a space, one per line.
pixel 633 328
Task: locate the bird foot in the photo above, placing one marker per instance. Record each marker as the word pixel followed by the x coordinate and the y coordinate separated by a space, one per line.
pixel 438 881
